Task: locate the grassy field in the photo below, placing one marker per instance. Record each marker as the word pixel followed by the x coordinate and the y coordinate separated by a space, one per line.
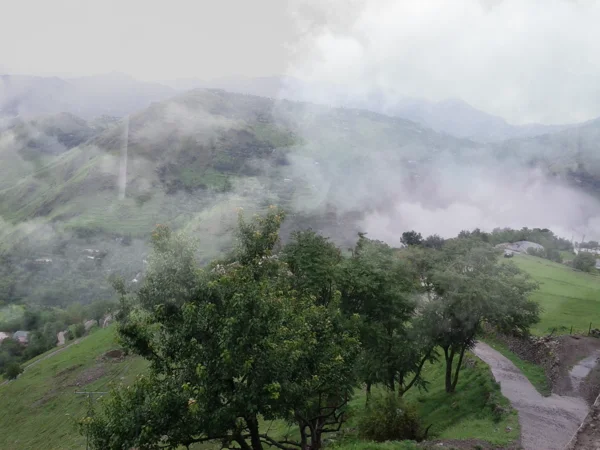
pixel 568 298
pixel 469 412
pixel 40 408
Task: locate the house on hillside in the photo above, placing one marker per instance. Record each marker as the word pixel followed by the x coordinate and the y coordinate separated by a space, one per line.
pixel 21 336
pixel 3 336
pixel 519 246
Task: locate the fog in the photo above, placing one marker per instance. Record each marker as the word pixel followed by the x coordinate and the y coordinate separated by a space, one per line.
pixel 524 60
pixel 527 61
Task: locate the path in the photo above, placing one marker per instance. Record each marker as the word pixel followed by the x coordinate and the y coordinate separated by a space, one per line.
pixel 49 355
pixel 546 422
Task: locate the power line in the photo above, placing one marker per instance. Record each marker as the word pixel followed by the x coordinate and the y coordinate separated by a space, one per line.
pixel 90 412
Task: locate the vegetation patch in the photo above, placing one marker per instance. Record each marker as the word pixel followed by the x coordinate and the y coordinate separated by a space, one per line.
pixel 567 298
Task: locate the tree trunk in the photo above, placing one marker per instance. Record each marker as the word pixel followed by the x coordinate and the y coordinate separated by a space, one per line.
pixel 303 437
pixel 403 389
pixel 458 366
pixel 315 437
pixel 368 392
pixel 449 356
pixel 255 441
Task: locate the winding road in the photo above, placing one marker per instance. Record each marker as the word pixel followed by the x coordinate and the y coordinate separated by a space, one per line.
pixel 546 422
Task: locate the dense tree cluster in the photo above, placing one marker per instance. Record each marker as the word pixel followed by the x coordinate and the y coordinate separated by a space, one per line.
pixel 290 332
pixel 43 325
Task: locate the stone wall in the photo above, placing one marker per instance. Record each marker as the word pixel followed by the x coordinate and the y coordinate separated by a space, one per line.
pixel 587 436
pixel 537 350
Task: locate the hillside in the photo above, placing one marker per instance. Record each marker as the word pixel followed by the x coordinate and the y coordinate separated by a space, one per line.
pixel 41 407
pixel 190 162
pixel 452 116
pixel 568 298
pixel 571 154
pixel 70 186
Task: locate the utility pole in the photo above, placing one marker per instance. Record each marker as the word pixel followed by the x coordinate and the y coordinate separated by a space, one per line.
pixel 90 412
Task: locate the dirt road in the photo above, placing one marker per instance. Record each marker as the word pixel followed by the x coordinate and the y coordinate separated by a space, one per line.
pixel 546 422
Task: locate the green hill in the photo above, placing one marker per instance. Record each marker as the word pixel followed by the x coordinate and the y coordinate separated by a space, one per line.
pixel 40 408
pixel 568 298
pixel 191 162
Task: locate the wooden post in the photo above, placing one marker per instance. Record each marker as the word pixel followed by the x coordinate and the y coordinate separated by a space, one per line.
pixel 590 329
pixel 571 332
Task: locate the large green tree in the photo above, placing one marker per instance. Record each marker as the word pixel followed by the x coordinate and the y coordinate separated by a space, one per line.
pixel 472 286
pixel 382 288
pixel 228 345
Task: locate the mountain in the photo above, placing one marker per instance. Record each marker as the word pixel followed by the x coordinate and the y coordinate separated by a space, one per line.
pixel 111 94
pixel 116 94
pixel 194 160
pixel 27 145
pixel 458 118
pixel 572 154
pixel 452 116
pixel 191 162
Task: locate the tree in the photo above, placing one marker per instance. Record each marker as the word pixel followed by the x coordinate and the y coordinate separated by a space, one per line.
pixel 471 287
pixel 411 238
pixel 584 261
pixel 228 344
pixel 13 370
pixel 313 260
pixel 434 241
pixel 379 286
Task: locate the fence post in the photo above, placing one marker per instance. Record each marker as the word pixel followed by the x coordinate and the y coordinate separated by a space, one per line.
pixel 571 332
pixel 590 329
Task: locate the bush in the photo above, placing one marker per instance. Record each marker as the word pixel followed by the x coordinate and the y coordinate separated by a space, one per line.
pixel 584 261
pixel 13 370
pixel 389 418
pixel 77 330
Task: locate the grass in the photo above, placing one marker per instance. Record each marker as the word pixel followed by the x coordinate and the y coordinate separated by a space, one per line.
pixel 534 373
pixel 40 408
pixel 477 410
pixel 568 298
pixel 11 312
pixel 469 413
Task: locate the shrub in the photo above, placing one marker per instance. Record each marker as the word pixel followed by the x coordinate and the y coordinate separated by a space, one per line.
pixel 388 418
pixel 77 330
pixel 13 370
pixel 584 261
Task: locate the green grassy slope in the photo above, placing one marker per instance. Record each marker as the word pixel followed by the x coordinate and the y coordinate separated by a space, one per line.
pixel 567 297
pixel 39 409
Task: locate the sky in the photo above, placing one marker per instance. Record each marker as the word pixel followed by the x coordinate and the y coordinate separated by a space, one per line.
pixel 524 60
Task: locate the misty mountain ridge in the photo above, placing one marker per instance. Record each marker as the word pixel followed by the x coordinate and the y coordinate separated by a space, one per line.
pixel 112 94
pixel 117 94
pixel 452 116
pixel 194 160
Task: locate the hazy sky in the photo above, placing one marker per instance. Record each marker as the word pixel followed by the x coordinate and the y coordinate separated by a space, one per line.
pixel 526 60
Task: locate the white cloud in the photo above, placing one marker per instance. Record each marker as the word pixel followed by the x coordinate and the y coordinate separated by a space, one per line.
pixel 525 60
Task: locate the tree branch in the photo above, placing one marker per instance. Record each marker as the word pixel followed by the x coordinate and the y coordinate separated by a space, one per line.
pixel 417 372
pixel 279 444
